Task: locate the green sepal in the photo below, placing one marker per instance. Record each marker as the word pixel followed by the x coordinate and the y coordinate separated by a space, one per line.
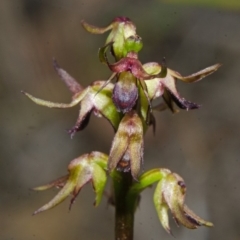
pixel 66 190
pixel 99 180
pixel 99 176
pixel 195 77
pixel 56 183
pixel 127 146
pixel 95 30
pixel 161 207
pixel 143 106
pixel 77 98
pixel 104 104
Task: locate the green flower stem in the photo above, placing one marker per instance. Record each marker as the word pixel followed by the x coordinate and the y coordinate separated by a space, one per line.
pixel 124 209
pixel 147 179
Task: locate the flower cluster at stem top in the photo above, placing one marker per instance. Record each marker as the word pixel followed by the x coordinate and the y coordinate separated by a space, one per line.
pixel 127 105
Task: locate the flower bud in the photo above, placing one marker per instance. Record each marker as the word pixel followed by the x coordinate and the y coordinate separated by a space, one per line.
pixel 121 29
pixel 132 44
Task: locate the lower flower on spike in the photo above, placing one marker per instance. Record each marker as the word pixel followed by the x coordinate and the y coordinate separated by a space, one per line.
pixel 127 147
pixel 86 168
pixel 170 195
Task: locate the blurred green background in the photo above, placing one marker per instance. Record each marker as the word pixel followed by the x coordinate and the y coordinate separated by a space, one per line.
pixel 202 146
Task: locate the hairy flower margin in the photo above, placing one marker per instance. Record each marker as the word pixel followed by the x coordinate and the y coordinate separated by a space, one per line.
pixel 128 105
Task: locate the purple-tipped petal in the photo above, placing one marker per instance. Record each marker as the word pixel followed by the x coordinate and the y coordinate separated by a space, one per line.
pixel 71 83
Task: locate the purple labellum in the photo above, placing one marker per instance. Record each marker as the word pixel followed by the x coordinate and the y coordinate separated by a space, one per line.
pixel 125 94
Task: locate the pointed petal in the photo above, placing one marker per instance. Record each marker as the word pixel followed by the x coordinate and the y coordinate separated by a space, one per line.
pixel 167 97
pixel 174 190
pixel 135 147
pixel 93 168
pixel 74 173
pixel 180 216
pixel 56 183
pixel 196 219
pixel 171 94
pixel 127 146
pixel 71 83
pixel 129 127
pixel 81 123
pixel 99 163
pixel 183 103
pixel 85 176
pixel 84 114
pixel 60 197
pixel 94 29
pixel 136 156
pixel 196 76
pixel 49 104
pixel 119 146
